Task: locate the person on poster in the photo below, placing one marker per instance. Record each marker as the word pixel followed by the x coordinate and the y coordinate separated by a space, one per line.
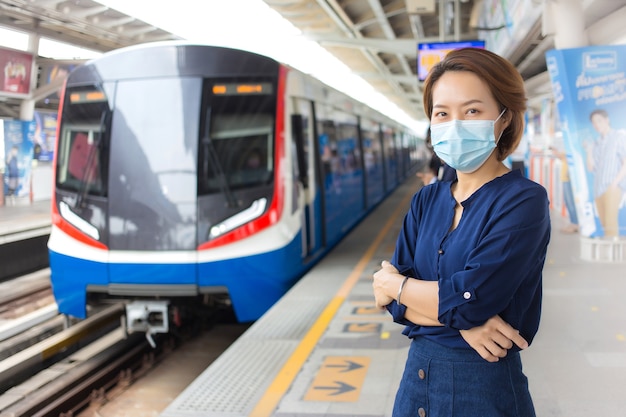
pixel 465 277
pixel 606 158
pixel 13 172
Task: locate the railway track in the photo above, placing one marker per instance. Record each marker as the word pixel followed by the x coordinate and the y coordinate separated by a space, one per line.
pixel 104 383
pixel 28 313
pixel 53 366
pixel 92 363
pixel 37 348
pixel 58 374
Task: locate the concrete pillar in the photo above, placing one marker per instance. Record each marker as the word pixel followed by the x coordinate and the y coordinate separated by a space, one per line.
pixel 27 107
pixel 566 20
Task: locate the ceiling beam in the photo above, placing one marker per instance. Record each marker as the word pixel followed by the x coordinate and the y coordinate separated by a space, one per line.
pixel 406 47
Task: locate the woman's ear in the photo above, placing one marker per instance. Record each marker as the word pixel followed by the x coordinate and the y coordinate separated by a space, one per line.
pixel 506 121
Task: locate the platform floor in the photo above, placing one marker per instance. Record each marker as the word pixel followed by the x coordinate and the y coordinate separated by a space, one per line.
pixel 325 350
pixel 24 220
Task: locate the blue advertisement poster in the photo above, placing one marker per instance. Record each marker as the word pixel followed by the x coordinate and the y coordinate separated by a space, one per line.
pixel 589 87
pixel 45 135
pixel 18 154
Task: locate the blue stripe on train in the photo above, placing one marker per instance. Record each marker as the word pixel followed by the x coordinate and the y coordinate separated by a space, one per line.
pixel 254 283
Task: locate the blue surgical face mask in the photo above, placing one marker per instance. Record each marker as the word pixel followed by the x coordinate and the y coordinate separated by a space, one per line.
pixel 465 145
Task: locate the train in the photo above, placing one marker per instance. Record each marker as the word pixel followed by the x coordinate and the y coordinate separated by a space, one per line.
pixel 189 175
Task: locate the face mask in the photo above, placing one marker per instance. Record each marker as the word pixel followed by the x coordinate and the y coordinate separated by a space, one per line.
pixel 465 145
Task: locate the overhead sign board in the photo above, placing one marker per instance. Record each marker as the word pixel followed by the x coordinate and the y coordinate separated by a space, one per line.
pixel 420 6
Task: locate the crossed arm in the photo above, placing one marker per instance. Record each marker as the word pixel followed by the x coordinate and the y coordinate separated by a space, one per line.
pixel 491 340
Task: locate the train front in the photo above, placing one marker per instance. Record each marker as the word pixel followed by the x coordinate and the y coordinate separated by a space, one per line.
pixel 166 165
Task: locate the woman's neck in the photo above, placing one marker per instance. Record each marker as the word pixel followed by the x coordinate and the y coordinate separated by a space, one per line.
pixel 467 184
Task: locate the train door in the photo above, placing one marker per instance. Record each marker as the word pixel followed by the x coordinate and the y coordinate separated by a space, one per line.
pixel 308 175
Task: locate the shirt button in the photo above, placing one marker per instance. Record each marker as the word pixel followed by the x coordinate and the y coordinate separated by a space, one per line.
pixel 421 374
pixel 467 295
pixel 440 251
pixel 421 412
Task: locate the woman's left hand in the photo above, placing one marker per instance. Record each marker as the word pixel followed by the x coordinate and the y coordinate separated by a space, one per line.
pixel 382 279
pixel 493 339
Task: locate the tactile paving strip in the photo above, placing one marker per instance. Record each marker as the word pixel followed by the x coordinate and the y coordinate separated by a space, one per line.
pixel 233 384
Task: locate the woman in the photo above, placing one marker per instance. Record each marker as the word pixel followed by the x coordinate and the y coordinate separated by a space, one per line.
pixel 465 277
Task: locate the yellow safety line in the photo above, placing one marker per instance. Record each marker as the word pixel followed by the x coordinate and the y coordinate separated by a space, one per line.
pixel 275 392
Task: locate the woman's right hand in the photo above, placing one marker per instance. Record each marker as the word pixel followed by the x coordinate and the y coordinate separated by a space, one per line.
pixel 381 283
pixel 493 339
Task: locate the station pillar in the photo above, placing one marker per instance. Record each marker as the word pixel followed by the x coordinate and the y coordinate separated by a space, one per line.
pixel 565 19
pixel 27 106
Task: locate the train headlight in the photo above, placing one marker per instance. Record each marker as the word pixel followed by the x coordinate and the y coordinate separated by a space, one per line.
pixel 78 222
pixel 255 210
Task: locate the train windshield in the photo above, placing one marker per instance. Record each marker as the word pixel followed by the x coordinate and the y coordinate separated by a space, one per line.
pixel 80 160
pixel 237 149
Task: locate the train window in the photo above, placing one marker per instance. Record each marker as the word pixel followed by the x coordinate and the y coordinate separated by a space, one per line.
pixel 83 157
pixel 372 151
pixel 80 162
pixel 80 166
pixel 338 136
pixel 390 155
pixel 244 150
pixel 237 146
pixel 155 138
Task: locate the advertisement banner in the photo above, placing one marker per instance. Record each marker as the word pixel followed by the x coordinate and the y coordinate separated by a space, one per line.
pixel 18 151
pixel 51 71
pixel 2 156
pixel 589 87
pixel 15 72
pixel 45 136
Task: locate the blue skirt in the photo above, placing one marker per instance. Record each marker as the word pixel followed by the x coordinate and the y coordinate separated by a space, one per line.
pixel 439 381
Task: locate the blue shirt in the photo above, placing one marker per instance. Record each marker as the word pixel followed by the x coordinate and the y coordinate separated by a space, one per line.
pixel 490 264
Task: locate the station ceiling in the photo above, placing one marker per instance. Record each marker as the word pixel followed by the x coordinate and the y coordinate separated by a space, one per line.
pixel 377 39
